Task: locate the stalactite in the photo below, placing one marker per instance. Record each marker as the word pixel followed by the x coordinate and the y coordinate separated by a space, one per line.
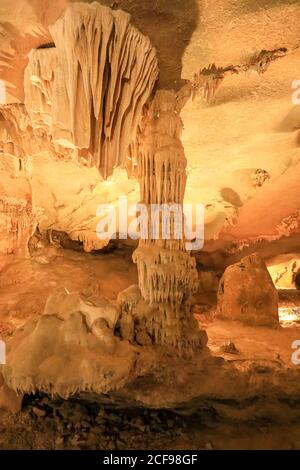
pixel 38 85
pixel 100 75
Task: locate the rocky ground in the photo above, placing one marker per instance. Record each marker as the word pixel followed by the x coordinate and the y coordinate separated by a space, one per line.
pixel 56 424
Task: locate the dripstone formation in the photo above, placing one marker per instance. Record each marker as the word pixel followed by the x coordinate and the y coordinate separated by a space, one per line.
pixel 167 272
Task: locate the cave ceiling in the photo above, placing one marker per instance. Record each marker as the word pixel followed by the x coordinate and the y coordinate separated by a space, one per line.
pixel 242 145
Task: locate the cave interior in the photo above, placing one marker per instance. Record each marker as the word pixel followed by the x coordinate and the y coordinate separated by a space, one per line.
pixel 150 224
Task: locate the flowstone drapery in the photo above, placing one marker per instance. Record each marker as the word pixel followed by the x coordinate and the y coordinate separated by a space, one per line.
pixel 92 86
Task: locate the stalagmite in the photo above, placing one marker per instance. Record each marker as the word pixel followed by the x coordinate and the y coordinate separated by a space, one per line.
pixel 88 92
pixel 167 272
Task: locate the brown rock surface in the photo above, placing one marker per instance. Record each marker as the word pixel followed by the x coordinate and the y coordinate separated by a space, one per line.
pixel 247 293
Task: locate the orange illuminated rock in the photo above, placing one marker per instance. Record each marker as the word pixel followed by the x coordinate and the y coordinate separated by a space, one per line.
pixel 68 351
pixel 247 293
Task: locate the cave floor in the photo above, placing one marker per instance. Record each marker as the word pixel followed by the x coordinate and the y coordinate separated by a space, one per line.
pixel 47 425
pixel 244 419
pixel 26 284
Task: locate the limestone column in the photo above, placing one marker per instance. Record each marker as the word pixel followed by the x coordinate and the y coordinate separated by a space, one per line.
pixel 167 274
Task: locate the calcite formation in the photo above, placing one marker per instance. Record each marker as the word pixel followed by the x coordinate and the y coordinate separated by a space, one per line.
pixel 208 80
pixel 103 70
pixel 167 272
pixel 70 348
pixel 85 93
pixel 18 216
pixel 91 87
pixel 38 87
pixel 247 293
pixel 17 137
pixel 17 225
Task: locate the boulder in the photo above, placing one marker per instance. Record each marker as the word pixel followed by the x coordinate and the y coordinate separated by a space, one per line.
pixel 246 293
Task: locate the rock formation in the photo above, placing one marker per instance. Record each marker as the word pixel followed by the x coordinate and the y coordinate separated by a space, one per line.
pixel 38 84
pixel 18 213
pixel 17 136
pixel 9 399
pixel 71 348
pixel 285 271
pixel 103 70
pixel 18 216
pixel 167 272
pixel 84 120
pixel 91 87
pixel 247 293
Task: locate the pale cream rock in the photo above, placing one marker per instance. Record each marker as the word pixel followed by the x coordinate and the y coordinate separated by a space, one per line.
pixel 63 304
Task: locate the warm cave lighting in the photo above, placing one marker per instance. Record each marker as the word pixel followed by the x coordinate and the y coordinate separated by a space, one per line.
pixel 149 229
pixel 289 316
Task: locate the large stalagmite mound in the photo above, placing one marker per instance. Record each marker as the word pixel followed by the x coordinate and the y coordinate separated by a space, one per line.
pixel 70 349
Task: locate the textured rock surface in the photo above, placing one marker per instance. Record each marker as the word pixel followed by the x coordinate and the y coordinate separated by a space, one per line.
pixel 247 293
pixel 258 383
pixel 167 272
pixel 18 216
pixel 9 399
pixel 70 349
pixel 101 69
pixel 284 270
